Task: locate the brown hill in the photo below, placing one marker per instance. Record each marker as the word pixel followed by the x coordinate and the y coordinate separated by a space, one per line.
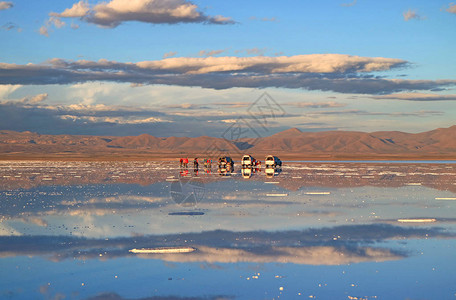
pixel 441 140
pixel 438 143
pixel 326 142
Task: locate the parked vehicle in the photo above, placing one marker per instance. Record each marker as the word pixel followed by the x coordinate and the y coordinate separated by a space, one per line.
pixel 248 160
pixel 225 162
pixel 273 161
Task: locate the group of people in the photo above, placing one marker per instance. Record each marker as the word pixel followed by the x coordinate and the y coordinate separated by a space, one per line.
pixel 184 163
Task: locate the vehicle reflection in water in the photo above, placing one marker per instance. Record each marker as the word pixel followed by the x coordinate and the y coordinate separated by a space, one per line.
pixel 272 171
pixel 226 170
pixel 248 172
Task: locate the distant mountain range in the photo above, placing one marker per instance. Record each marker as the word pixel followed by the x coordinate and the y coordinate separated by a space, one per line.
pixel 438 143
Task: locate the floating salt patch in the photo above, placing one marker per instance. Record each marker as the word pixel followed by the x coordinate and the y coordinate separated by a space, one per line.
pixel 46 178
pixel 416 220
pixel 272 182
pixel 276 195
pixel 163 250
pixel 414 183
pixel 296 177
pixel 367 177
pixel 318 193
pixel 448 198
pixel 172 179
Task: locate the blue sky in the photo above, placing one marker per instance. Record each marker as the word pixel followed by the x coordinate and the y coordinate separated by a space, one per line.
pixel 175 67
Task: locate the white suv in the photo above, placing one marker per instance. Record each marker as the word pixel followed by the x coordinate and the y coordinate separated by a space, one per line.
pixel 248 160
pixel 272 161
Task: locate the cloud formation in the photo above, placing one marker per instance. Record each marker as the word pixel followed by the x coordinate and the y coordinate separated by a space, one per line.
pixel 11 26
pixel 115 12
pixel 330 104
pixel 208 53
pixel 324 72
pixel 29 100
pixel 412 15
pixel 417 97
pixel 353 3
pixel 311 255
pixel 224 247
pixel 169 54
pixel 336 72
pixel 31 113
pixel 451 8
pixel 359 112
pixel 6 5
pixel 52 21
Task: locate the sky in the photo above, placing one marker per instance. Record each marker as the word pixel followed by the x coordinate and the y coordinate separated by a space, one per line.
pixel 194 68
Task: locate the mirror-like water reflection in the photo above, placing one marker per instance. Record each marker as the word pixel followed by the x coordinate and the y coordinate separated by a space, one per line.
pixel 304 230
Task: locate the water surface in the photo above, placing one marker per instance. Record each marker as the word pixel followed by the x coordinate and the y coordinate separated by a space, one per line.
pixel 319 230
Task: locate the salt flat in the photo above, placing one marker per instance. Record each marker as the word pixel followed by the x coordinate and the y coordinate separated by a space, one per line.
pixel 343 227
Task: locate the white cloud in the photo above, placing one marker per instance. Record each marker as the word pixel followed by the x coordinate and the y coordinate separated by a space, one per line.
pixel 417 97
pixel 312 63
pixel 44 31
pixel 8 89
pixel 253 51
pixel 330 104
pixel 115 120
pixel 113 13
pixel 6 5
pixel 90 93
pixel 452 8
pixel 51 22
pixel 56 22
pixel 208 53
pixel 412 14
pixel 78 10
pixel 353 3
pixel 273 19
pixel 229 121
pixel 169 54
pixel 324 72
pixel 29 100
pixel 35 99
pixel 311 255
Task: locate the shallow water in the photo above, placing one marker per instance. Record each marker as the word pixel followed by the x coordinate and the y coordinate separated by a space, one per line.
pixel 314 230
